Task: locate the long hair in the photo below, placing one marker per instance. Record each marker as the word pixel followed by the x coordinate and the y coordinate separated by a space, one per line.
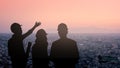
pixel 41 38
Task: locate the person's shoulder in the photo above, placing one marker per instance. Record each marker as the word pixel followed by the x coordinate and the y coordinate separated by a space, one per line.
pixel 57 41
pixel 12 38
pixel 71 40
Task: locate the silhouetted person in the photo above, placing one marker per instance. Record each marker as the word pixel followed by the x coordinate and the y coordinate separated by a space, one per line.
pixel 39 50
pixel 64 52
pixel 15 45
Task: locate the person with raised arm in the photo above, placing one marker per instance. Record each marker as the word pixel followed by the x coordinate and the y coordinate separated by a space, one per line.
pixel 15 45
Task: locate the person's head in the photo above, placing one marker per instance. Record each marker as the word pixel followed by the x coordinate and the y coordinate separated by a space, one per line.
pixel 41 33
pixel 16 28
pixel 62 30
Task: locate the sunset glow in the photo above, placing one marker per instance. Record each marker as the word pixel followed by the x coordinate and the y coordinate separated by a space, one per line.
pixel 81 16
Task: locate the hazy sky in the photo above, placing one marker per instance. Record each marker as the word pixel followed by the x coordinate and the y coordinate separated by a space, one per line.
pixel 81 16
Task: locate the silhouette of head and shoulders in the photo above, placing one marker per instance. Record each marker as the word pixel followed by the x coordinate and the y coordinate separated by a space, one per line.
pixel 64 47
pixel 63 31
pixel 17 33
pixel 40 42
pixel 63 40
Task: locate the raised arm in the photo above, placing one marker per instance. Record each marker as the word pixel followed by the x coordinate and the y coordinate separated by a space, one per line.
pixel 31 30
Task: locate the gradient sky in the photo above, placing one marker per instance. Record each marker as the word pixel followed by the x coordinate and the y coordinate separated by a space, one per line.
pixel 81 16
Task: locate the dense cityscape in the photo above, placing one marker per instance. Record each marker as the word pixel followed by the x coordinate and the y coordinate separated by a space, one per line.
pixel 95 50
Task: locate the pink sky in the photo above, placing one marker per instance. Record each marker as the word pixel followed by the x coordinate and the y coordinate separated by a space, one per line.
pixel 81 16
